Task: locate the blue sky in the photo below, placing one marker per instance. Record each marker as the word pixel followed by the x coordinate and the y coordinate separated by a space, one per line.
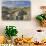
pixel 16 0
pixel 16 3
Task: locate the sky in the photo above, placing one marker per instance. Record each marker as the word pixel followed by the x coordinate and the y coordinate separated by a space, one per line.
pixel 16 0
pixel 16 3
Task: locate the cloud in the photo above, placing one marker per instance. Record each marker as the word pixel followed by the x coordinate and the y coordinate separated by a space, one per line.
pixel 16 0
pixel 16 3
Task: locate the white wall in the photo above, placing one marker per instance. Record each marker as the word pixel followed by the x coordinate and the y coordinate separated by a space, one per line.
pixel 25 27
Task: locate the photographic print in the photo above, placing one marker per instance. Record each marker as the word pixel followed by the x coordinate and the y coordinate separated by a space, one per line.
pixel 16 10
